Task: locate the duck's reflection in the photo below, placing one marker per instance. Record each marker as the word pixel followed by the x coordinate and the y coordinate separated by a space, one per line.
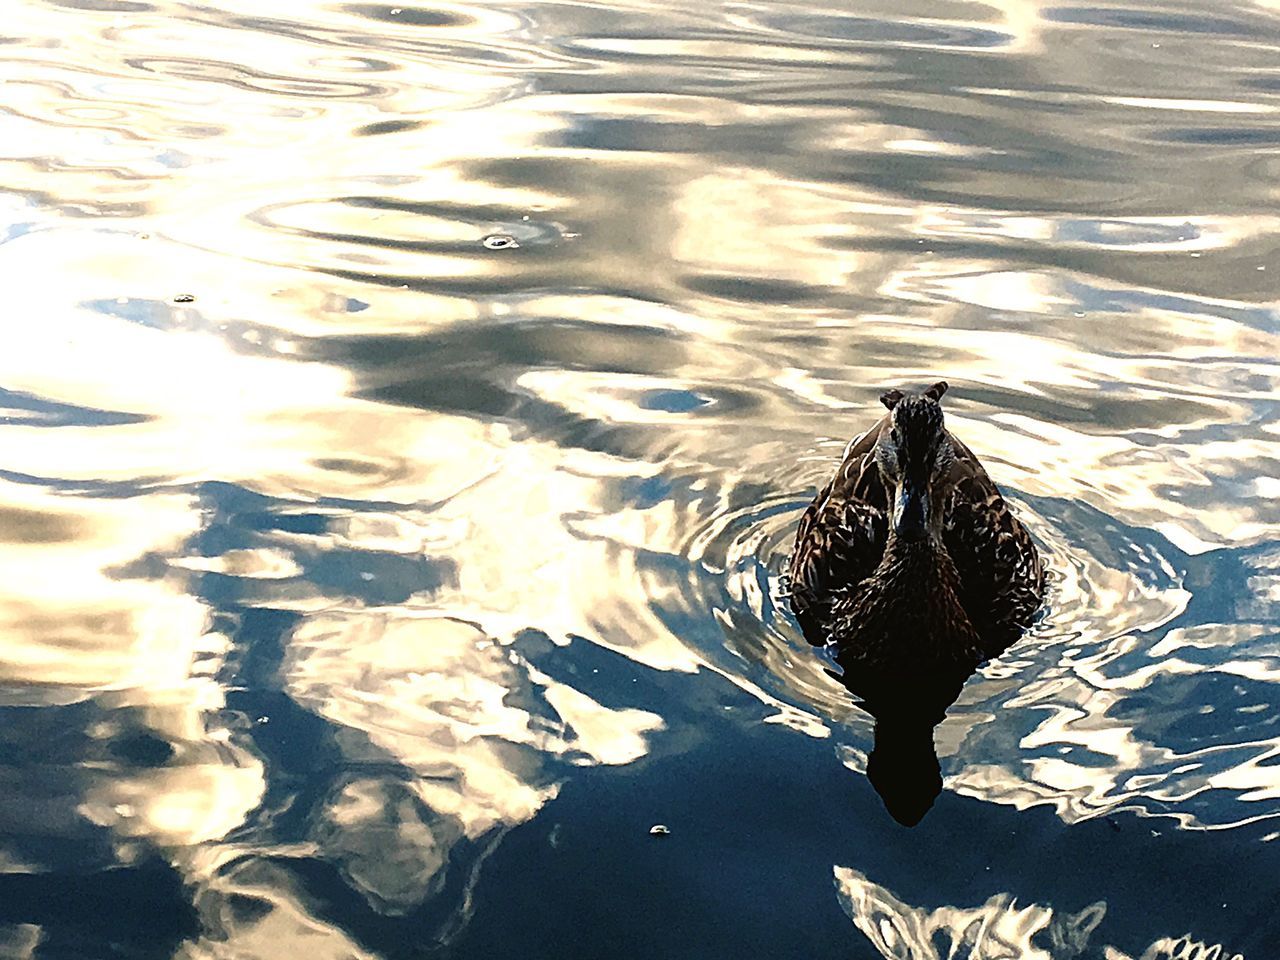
pixel 903 763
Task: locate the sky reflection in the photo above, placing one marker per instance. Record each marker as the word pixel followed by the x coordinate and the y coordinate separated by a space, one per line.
pixel 337 547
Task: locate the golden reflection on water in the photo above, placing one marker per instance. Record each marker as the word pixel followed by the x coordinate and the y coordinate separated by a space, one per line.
pixel 69 624
pixel 726 248
pixel 999 928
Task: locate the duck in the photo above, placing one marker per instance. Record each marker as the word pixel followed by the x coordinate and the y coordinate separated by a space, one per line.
pixel 910 559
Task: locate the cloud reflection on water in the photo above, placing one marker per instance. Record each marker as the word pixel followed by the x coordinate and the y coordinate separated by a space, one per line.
pixel 997 929
pixel 424 457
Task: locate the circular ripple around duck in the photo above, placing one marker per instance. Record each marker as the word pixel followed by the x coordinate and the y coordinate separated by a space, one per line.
pixel 746 551
pixel 1086 713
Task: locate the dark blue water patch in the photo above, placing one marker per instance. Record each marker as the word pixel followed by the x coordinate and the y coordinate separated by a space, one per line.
pixel 1198 709
pixel 46 735
pixel 423 931
pixel 51 756
pixel 702 891
pixel 759 816
pixel 1123 232
pixel 1093 533
pixel 1133 302
pixel 672 401
pixel 254 661
pixel 308 524
pixel 11 231
pixel 617 682
pixel 174 159
pixel 297 746
pixel 156 314
pixel 306 768
pixel 239 519
pixel 643 493
pixel 376 578
pixel 56 736
pixel 1221 587
pixel 1075 754
pixel 41 821
pixel 300 753
pixel 143 750
pixel 1166 23
pixel 138 912
pixel 231 505
pixel 372 578
pixel 29 410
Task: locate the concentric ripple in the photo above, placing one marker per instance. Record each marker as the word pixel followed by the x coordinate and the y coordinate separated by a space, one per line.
pixel 1117 629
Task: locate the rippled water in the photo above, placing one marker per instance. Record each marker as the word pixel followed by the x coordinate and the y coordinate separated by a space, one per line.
pixel 407 412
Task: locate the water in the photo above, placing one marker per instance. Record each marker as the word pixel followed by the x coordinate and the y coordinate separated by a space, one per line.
pixel 407 411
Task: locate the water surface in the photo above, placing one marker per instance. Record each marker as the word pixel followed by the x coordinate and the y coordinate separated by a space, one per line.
pixel 406 415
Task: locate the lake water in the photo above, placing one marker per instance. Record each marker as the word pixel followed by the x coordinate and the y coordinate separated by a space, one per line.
pixel 406 415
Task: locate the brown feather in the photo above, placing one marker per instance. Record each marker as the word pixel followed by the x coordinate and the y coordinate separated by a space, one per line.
pixel 965 597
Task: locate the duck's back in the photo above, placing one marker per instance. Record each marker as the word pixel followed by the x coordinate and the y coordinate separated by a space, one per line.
pixel 1001 573
pixel 842 534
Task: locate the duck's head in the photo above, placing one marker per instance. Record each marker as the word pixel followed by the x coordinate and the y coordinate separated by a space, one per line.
pixel 914 456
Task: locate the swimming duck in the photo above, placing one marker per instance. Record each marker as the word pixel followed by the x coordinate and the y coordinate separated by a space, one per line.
pixel 910 558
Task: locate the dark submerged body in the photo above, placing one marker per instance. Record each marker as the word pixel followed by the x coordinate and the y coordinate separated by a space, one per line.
pixel 912 569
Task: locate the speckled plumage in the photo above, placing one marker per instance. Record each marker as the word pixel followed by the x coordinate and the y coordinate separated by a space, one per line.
pixel 953 592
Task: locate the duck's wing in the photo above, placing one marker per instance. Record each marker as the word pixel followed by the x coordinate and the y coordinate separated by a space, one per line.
pixel 1001 573
pixel 842 534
